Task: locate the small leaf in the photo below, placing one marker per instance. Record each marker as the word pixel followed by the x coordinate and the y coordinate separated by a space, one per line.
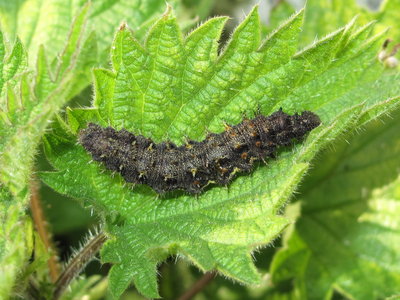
pixel 44 78
pixel 12 65
pixel 74 41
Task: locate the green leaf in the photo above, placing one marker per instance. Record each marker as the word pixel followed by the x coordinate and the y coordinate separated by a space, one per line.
pixel 13 65
pixel 173 87
pixel 47 22
pixel 15 230
pixel 348 235
pixel 28 101
pixel 16 242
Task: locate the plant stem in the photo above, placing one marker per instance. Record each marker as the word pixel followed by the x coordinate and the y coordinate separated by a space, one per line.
pixel 42 228
pixel 78 262
pixel 198 286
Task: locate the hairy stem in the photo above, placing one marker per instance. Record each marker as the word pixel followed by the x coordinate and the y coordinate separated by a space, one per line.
pixel 78 262
pixel 198 286
pixel 41 226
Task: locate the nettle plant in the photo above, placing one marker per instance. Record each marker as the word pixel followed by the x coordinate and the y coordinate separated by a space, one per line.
pixel 341 235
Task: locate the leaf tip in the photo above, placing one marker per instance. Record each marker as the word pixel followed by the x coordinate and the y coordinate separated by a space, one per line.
pixel 299 15
pixel 254 11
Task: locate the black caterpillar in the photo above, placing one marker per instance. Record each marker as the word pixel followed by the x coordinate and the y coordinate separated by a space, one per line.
pixel 191 167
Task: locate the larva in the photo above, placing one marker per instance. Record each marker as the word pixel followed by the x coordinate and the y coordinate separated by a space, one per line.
pixel 190 167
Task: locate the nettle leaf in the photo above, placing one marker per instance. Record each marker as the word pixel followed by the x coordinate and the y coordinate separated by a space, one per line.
pixel 348 235
pixel 47 22
pixel 15 231
pixel 175 86
pixel 16 242
pixel 13 66
pixel 28 101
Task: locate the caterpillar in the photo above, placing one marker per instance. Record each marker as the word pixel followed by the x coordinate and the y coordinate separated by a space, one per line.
pixel 191 167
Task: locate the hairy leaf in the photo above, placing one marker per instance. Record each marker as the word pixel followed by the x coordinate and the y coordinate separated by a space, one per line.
pixel 28 101
pixel 175 86
pixel 46 22
pixel 16 242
